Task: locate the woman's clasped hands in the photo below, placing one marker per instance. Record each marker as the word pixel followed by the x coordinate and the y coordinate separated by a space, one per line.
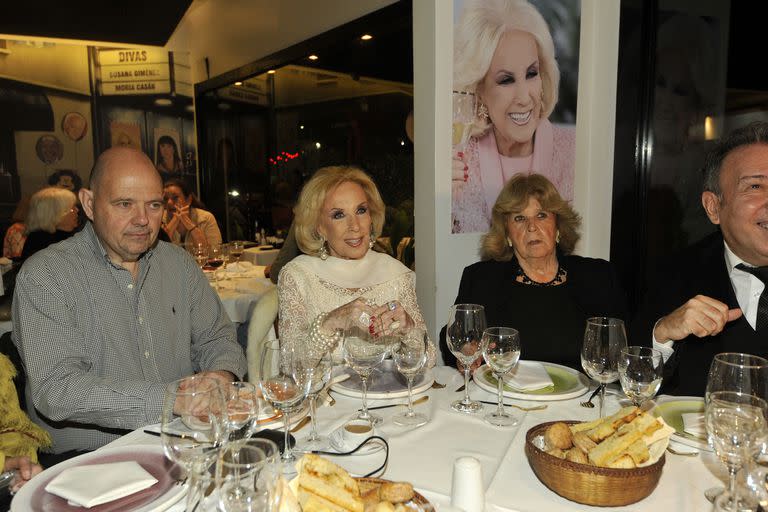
pixel 381 320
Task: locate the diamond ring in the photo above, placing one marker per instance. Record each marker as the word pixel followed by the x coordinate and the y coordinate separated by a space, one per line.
pixel 392 305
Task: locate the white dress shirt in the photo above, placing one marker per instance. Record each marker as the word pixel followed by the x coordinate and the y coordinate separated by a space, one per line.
pixel 747 288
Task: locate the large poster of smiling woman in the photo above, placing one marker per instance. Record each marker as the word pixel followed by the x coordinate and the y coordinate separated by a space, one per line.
pixel 515 78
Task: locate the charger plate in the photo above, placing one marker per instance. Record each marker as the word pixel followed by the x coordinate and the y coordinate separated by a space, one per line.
pixel 568 383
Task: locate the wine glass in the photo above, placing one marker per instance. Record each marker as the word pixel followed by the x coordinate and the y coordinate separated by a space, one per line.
pixel 316 368
pixel 604 339
pixel 501 351
pixel 363 351
pixel 463 116
pixel 735 421
pixel 640 373
pixel 742 373
pixel 191 428
pixel 237 474
pixel 410 356
pixel 278 383
pixel 236 249
pixel 242 410
pixel 466 323
pixel 215 260
pixel 199 251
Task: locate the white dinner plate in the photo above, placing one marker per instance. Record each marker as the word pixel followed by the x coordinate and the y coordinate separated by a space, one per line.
pixel 34 498
pixel 568 383
pixel 385 382
pixel 672 408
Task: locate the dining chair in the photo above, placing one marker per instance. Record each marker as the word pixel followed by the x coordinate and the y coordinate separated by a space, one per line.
pixel 260 325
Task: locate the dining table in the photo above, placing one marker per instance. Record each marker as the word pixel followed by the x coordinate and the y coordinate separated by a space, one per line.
pixel 425 455
pixel 261 255
pixel 240 286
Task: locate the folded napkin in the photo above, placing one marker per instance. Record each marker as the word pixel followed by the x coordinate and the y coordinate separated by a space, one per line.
pixel 693 423
pixel 240 266
pixel 529 376
pixel 88 486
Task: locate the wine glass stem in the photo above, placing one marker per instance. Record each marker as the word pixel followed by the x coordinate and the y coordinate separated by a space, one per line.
pixel 500 396
pixel 364 411
pixel 409 379
pixel 602 399
pixel 194 490
pixel 287 454
pixel 732 470
pixel 312 408
pixel 466 383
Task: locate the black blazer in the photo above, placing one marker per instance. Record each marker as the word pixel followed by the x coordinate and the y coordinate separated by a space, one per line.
pixel 551 320
pixel 698 270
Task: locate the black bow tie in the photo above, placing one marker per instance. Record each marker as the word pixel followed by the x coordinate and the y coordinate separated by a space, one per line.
pixel 761 273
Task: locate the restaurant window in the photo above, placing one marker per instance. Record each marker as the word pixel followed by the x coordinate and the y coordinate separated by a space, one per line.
pixel 683 82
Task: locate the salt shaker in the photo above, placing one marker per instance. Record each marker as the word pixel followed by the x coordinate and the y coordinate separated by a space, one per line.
pixel 467 492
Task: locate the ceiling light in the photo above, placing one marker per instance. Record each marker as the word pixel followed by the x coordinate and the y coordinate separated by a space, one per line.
pixel 313 57
pixel 402 143
pixel 301 127
pixel 234 193
pixel 271 72
pixel 317 145
pixel 163 102
pixel 238 84
pixel 366 37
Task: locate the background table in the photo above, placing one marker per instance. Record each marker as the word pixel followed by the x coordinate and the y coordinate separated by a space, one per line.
pixel 259 256
pixel 425 455
pixel 240 291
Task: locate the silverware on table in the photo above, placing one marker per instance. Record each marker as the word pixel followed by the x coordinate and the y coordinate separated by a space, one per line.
pixel 693 437
pixel 683 454
pixel 526 409
pixel 415 402
pixel 588 404
pixel 437 385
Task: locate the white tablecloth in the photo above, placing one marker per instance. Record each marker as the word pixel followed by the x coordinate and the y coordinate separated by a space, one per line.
pixel 424 456
pixel 259 256
pixel 240 291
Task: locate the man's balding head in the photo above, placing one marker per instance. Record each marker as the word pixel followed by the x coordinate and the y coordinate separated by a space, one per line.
pixel 115 159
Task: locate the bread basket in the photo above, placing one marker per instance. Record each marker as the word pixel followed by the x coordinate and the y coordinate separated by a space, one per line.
pixel 590 485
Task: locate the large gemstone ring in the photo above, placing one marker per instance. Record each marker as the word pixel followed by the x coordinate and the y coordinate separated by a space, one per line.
pixel 392 305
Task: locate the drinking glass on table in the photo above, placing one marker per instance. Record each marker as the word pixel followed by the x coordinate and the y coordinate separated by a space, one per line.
pixel 640 373
pixel 316 368
pixel 410 356
pixel 191 428
pixel 199 251
pixel 281 388
pixel 363 351
pixel 215 261
pixel 735 422
pixel 501 351
pixel 237 474
pixel 236 249
pixel 242 411
pixel 466 323
pixel 604 339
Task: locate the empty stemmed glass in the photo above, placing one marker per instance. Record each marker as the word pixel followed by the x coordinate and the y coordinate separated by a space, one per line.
pixel 735 423
pixel 604 339
pixel 241 472
pixel 640 373
pixel 501 351
pixel 191 428
pixel 282 389
pixel 316 368
pixel 410 355
pixel 466 323
pixel 363 351
pixel 242 410
pixel 199 251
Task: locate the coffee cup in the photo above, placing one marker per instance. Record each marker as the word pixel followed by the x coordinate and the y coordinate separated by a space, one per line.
pixel 356 431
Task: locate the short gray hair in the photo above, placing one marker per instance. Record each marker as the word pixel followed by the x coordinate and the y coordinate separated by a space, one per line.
pixel 753 133
pixel 47 207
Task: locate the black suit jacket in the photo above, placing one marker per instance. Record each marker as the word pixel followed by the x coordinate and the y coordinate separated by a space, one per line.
pixel 592 289
pixel 699 270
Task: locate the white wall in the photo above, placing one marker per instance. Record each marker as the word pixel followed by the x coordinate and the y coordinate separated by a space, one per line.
pixel 441 256
pixel 232 33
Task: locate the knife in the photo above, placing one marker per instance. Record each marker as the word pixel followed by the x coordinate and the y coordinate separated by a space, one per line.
pixel 416 402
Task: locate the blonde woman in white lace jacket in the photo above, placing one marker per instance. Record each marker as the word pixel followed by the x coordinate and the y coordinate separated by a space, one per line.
pixel 339 278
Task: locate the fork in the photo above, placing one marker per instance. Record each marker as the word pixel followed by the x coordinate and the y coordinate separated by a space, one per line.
pixel 526 409
pixel 588 404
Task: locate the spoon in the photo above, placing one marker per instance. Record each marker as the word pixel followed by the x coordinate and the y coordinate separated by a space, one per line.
pixel 588 404
pixel 6 478
pixel 684 454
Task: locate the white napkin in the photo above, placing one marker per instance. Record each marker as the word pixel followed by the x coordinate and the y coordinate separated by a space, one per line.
pixel 240 266
pixel 88 486
pixel 693 423
pixel 529 376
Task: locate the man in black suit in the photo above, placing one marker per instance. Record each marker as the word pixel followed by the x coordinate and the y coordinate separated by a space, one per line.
pixel 713 297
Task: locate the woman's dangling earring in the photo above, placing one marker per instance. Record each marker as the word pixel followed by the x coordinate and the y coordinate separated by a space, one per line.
pixel 509 242
pixel 482 113
pixel 557 237
pixel 323 252
pixel 371 240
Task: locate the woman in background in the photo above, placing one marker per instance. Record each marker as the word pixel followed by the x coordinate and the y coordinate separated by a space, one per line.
pixel 16 235
pixel 167 158
pixel 504 56
pixel 185 221
pixel 53 217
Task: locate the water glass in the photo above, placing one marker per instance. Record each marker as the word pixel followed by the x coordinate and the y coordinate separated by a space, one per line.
pixel 466 323
pixel 242 410
pixel 640 373
pixel 410 356
pixel 237 474
pixel 501 351
pixel 604 339
pixel 363 351
pixel 742 373
pixel 316 368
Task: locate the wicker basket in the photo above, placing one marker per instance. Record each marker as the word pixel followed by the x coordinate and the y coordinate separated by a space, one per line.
pixel 590 485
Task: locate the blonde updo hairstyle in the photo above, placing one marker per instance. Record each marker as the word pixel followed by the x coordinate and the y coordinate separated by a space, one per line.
pixel 477 36
pixel 308 210
pixel 513 199
pixel 47 207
